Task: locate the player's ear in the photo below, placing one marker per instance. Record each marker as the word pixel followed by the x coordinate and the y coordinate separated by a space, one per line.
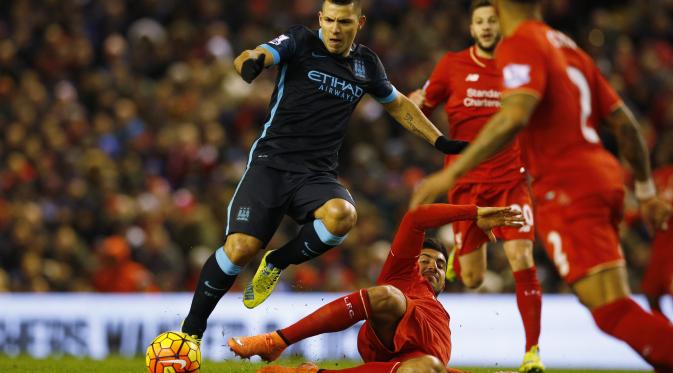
pixel 361 22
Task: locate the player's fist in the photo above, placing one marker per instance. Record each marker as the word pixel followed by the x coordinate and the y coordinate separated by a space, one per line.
pixel 417 97
pixel 249 65
pixel 491 217
pixel 656 213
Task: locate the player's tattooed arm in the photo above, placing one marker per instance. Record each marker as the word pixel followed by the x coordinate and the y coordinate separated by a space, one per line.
pixel 412 118
pixel 249 63
pixel 631 143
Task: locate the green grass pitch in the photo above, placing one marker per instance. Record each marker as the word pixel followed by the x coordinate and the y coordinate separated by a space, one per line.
pixel 137 365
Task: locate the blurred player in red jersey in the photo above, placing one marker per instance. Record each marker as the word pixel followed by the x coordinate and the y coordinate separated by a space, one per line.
pixel 468 83
pixel 577 184
pixel 406 327
pixel 658 279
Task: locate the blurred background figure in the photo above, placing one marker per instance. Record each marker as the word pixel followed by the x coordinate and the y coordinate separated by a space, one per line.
pixel 117 272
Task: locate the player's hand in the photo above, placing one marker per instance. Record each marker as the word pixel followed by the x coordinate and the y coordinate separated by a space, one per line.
pixel 431 187
pixel 417 97
pixel 491 217
pixel 655 213
pixel 252 67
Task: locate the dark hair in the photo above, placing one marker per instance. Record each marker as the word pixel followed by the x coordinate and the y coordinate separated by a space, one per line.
pixel 525 1
pixel 345 2
pixel 476 4
pixel 434 244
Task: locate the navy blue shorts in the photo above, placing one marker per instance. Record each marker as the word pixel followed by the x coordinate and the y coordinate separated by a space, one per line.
pixel 264 195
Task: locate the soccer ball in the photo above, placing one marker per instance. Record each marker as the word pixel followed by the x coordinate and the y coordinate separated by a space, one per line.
pixel 173 352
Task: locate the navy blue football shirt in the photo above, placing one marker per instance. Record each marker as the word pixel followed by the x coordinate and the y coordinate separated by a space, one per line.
pixel 315 95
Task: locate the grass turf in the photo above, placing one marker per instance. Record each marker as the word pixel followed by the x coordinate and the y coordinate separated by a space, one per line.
pixel 137 365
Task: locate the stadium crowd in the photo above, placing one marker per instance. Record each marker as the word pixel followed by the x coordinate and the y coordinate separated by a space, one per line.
pixel 125 131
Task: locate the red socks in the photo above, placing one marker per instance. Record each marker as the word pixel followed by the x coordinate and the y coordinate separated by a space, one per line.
pixel 648 335
pixel 332 317
pixel 389 367
pixel 529 300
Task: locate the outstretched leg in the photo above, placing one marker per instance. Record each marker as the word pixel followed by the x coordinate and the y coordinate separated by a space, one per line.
pixel 384 306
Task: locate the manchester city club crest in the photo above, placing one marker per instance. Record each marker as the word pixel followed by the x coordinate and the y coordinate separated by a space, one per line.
pixel 359 68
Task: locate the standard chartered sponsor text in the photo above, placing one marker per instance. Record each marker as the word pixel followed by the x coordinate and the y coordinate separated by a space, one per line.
pixel 482 98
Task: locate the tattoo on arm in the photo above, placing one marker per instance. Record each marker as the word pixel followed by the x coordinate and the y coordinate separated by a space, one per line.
pixel 409 121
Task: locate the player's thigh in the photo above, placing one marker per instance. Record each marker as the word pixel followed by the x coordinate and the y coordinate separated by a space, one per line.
pixel 581 238
pixel 316 190
pixel 422 364
pixel 603 287
pixel 259 202
pixel 388 306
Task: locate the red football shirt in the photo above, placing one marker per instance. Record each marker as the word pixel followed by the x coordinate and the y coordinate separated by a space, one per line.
pixel 559 146
pixel 429 330
pixel 469 86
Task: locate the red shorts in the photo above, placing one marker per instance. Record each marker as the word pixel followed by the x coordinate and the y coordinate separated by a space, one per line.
pixel 658 279
pixel 423 330
pixel 515 194
pixel 580 234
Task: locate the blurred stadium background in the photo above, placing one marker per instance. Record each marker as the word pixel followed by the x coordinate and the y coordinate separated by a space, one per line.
pixel 125 131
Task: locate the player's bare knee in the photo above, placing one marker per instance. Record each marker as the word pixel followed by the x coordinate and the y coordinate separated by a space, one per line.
pixel 472 279
pixel 387 300
pixel 241 248
pixel 519 254
pixel 339 216
pixel 423 364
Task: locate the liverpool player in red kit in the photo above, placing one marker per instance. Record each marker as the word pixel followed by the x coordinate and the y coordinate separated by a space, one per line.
pixel 577 184
pixel 406 328
pixel 468 84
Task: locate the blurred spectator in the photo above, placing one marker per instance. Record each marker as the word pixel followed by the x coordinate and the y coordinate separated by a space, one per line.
pixel 123 122
pixel 116 272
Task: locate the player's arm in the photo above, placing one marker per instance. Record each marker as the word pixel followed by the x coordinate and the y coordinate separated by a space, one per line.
pixel 409 238
pixel 410 117
pixel 250 63
pixel 499 131
pixel 632 146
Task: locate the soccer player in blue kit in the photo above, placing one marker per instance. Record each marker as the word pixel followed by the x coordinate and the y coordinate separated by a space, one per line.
pixel 291 170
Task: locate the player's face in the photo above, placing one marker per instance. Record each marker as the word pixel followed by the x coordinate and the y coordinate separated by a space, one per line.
pixel 340 24
pixel 485 28
pixel 432 265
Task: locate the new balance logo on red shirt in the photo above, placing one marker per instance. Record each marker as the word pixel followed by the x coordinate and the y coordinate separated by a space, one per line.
pixel 472 77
